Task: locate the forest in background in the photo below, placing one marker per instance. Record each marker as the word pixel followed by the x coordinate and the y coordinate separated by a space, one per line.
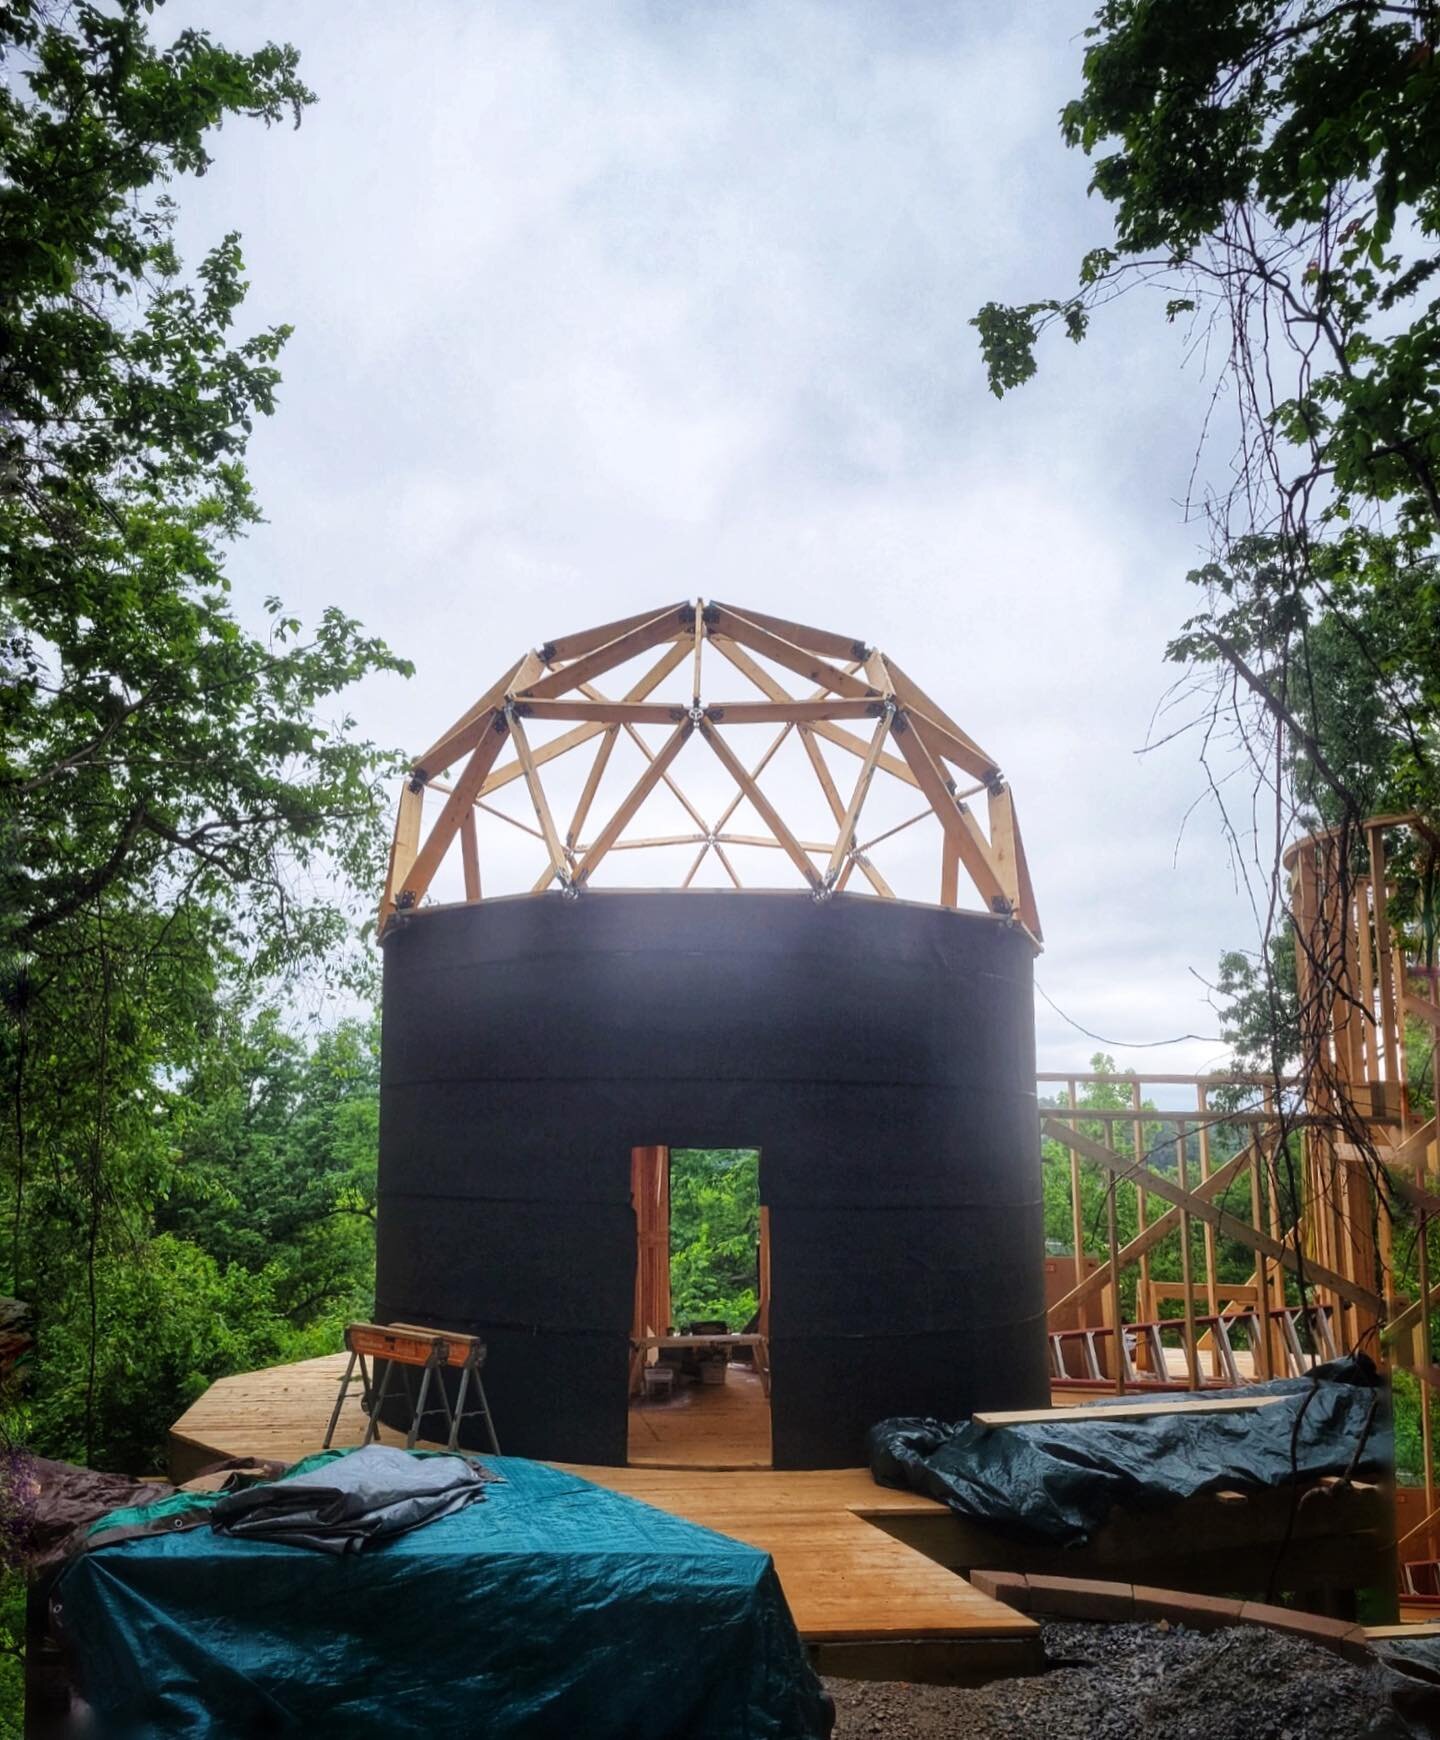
pixel 192 828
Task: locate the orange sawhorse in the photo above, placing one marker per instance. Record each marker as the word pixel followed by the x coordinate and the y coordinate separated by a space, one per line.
pixel 411 1346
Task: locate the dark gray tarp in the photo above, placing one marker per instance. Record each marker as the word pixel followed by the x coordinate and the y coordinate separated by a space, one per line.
pixel 345 1504
pixel 1057 1481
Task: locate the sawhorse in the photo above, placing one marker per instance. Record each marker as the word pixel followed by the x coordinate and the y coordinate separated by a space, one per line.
pixel 431 1350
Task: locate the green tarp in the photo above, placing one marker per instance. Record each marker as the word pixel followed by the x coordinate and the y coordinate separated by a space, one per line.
pixel 553 1608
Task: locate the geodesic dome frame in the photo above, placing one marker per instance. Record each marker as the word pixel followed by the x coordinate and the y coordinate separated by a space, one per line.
pixel 860 703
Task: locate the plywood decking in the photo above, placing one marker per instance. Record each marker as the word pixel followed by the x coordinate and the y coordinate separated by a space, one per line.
pixel 867 1603
pixel 718 1426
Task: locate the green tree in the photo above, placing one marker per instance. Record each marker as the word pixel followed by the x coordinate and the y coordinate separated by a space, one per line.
pixel 1273 168
pixel 714 1235
pixel 277 1143
pixel 186 809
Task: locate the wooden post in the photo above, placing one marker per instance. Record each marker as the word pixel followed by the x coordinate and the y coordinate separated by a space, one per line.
pixel 1142 1295
pixel 1212 1298
pixel 1192 1354
pixel 1258 1163
pixel 470 855
pixel 1077 1214
pixel 1117 1314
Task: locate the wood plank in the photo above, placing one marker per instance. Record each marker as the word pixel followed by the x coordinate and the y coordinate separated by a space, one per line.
pixel 1092 1413
pixel 944 745
pixel 470 855
pixel 465 733
pixel 790 712
pixel 603 712
pixel 404 843
pixel 574 646
pixel 703 1426
pixel 667 626
pixel 591 786
pixel 559 864
pixel 813 640
pixel 731 625
pixel 910 694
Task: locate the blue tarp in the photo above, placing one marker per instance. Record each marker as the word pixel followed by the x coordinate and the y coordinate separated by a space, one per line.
pixel 554 1608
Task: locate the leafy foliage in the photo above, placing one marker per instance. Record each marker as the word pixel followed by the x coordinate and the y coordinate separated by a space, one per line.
pixel 1274 167
pixel 186 811
pixel 714 1235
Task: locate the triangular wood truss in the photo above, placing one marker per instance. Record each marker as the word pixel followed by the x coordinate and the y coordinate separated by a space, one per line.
pixel 861 702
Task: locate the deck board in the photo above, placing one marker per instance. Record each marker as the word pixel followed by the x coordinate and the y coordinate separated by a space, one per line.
pixel 848 1582
pixel 705 1425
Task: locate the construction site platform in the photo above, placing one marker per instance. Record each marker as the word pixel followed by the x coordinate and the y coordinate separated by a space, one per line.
pixel 869 1604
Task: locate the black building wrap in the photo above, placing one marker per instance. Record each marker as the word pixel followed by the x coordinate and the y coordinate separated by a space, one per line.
pixel 880 1055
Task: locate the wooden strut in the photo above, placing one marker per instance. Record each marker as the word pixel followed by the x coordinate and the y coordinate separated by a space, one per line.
pixel 548 706
pixel 1228 1225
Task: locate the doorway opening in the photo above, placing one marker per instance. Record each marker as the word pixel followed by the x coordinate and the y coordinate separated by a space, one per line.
pixel 700 1355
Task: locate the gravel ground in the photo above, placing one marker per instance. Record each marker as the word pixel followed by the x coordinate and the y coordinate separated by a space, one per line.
pixel 1139 1682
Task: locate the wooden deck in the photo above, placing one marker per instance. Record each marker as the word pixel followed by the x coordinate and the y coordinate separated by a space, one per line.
pixel 716 1426
pixel 868 1603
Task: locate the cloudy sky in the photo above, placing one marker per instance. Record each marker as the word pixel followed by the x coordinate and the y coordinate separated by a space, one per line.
pixel 604 304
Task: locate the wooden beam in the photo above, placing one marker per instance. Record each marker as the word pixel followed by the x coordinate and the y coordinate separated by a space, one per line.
pixel 668 626
pixel 835 734
pixel 470 855
pixel 698 630
pixel 791 712
pixel 651 841
pixel 647 782
pixel 447 825
pixel 646 685
pixel 944 746
pixel 602 712
pixel 466 732
pixel 733 626
pixel 764 840
pixel 1029 910
pixel 845 838
pixel 959 825
pixel 1002 842
pixel 910 694
pixel 811 640
pixel 592 784
pixel 766 810
pixel 1157 1184
pixel 837 809
pixel 559 865
pixel 574 646
pixel 404 843
pixel 1107 1413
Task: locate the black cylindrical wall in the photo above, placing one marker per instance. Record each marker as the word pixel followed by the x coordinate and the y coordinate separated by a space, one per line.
pixel 881 1057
